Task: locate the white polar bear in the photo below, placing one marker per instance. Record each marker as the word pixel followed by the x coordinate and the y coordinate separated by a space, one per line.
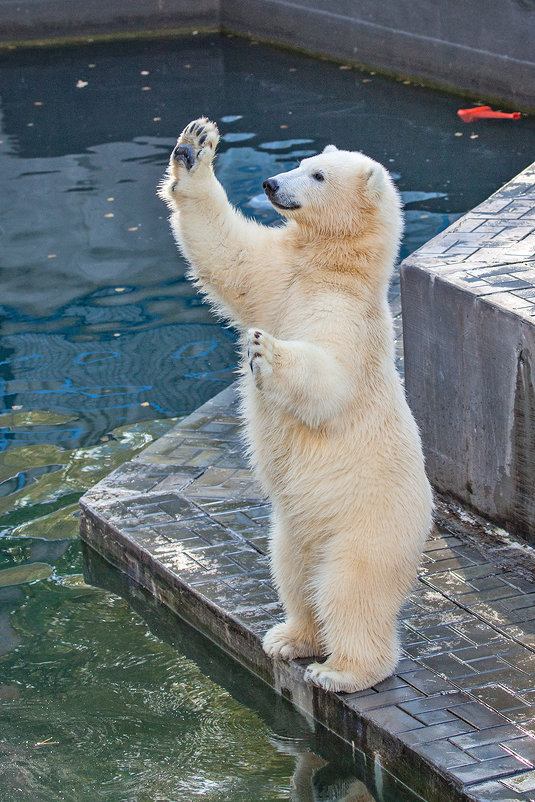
pixel 330 433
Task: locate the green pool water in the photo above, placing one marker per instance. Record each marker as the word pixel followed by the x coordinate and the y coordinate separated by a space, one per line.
pixel 104 345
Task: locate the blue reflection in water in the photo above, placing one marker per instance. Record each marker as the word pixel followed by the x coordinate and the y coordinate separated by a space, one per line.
pixel 88 357
pixel 21 479
pixel 192 349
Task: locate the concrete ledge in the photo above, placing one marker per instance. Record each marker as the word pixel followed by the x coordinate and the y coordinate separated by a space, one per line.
pixel 486 53
pixel 468 299
pixel 46 19
pixel 186 521
pixel 453 44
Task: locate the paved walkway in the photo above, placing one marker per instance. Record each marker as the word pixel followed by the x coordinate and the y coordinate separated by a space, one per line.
pixel 457 720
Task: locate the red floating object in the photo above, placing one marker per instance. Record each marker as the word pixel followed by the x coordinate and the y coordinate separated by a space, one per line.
pixel 485 113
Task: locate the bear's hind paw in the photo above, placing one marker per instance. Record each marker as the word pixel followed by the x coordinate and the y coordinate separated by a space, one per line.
pixel 337 680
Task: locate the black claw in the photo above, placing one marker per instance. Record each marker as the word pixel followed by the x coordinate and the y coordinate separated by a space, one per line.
pixel 192 126
pixel 200 129
pixel 184 154
pixel 202 140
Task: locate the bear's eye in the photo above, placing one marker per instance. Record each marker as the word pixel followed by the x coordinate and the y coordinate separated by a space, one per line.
pixel 318 176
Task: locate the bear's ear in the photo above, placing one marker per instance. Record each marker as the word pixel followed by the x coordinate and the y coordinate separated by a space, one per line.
pixel 329 149
pixel 375 176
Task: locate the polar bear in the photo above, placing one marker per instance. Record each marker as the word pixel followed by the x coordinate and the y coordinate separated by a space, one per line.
pixel 329 431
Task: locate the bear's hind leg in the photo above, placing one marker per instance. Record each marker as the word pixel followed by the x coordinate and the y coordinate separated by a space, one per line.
pixel 297 636
pixel 357 600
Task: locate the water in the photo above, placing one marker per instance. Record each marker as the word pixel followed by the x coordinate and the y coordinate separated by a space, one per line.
pixel 104 345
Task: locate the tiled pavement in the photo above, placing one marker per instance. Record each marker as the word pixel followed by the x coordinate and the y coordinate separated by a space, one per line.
pixel 457 720
pixel 490 251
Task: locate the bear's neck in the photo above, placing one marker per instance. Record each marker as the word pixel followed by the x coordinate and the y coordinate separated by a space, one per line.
pixel 363 257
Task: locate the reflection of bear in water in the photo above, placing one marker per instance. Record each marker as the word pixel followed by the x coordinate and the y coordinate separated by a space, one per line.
pixel 311 780
pixel 330 433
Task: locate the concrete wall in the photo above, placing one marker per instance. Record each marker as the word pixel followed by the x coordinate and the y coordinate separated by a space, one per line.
pixel 43 19
pixel 469 370
pixel 480 47
pixel 484 47
pixel 468 300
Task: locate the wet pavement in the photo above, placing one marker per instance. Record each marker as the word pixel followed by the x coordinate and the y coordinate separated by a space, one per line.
pixel 187 521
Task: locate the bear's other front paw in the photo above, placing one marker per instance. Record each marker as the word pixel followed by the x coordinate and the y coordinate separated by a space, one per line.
pixel 260 348
pixel 196 144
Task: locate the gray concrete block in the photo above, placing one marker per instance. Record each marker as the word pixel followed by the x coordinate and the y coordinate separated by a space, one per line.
pixel 469 342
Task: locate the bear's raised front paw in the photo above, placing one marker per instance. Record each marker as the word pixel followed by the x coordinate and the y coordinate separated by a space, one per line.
pixel 260 348
pixel 196 144
pixel 281 641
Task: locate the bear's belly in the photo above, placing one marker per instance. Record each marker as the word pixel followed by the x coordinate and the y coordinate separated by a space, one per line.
pixel 292 458
pixel 319 477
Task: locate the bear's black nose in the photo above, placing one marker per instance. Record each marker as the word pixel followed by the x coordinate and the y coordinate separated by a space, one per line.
pixel 270 186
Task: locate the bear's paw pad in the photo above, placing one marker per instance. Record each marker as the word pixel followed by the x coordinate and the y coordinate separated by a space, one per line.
pixel 281 642
pixel 196 143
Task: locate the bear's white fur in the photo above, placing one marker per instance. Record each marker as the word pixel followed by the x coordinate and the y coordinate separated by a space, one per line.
pixel 330 433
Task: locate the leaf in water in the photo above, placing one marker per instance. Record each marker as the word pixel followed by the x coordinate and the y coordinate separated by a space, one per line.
pixel 24 573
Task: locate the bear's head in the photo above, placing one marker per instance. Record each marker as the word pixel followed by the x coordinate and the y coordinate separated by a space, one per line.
pixel 337 193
